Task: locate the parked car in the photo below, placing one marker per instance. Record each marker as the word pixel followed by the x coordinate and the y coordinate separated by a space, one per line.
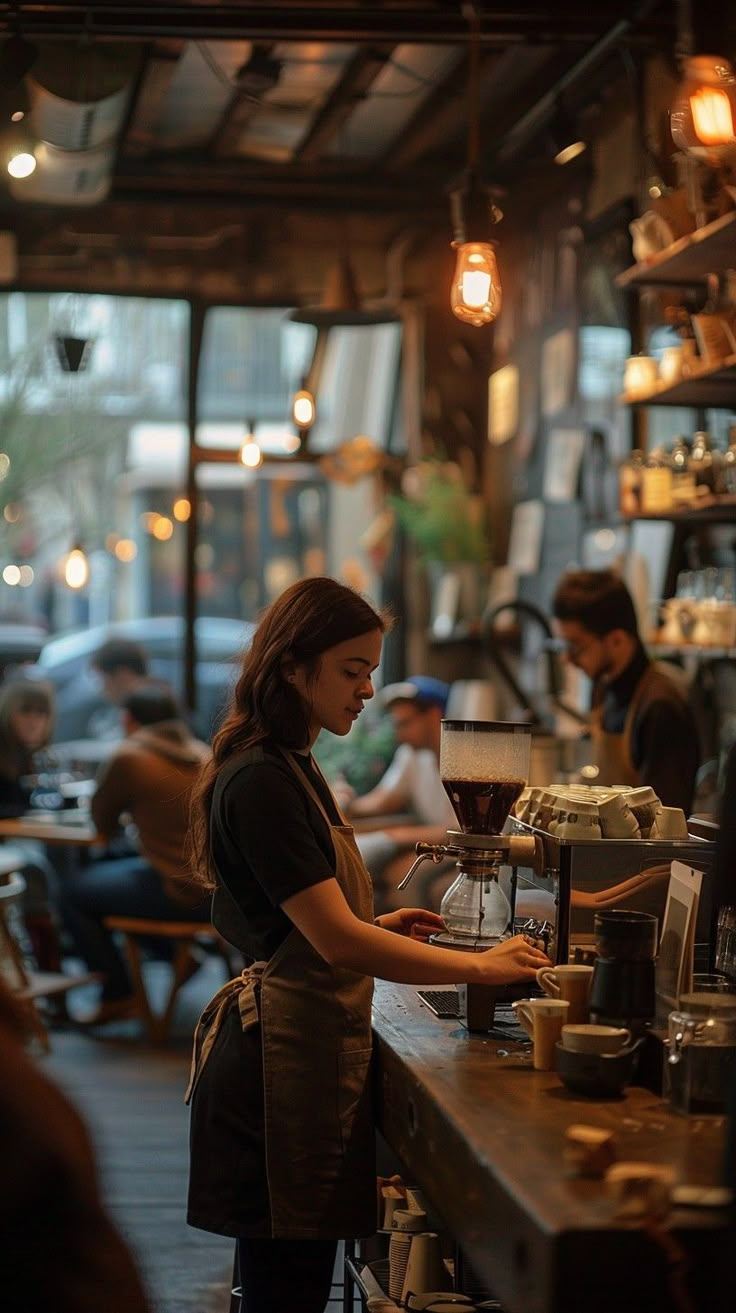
pixel 19 645
pixel 83 713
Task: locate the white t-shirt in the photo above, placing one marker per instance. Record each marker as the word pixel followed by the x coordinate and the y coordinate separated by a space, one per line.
pixel 415 777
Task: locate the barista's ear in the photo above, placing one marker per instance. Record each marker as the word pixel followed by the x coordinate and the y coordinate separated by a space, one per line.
pixel 288 670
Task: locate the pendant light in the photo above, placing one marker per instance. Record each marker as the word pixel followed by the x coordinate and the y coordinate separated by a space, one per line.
pixel 250 454
pixel 475 296
pixel 303 410
pixel 703 117
pixel 341 306
pixel 76 567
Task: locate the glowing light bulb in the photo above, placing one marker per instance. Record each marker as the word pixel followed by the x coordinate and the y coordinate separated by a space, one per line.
pixel 250 453
pixel 76 568
pixel 303 409
pixel 11 575
pixel 162 528
pixel 182 509
pixel 21 165
pixel 476 287
pixel 703 117
pixel 712 117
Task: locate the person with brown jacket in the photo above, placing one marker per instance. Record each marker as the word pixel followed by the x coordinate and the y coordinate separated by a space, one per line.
pixel 147 782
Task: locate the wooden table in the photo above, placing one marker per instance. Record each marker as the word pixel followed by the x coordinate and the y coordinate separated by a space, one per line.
pixel 482 1135
pixel 65 831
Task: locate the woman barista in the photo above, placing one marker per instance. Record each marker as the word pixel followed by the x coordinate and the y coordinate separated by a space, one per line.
pixel 281 1135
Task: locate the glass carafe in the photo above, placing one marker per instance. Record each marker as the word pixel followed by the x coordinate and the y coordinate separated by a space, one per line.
pixel 484 766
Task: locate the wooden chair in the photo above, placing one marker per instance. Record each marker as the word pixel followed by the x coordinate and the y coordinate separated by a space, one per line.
pixel 27 986
pixel 185 935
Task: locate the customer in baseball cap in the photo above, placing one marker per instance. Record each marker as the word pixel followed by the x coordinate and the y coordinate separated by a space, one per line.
pixel 411 785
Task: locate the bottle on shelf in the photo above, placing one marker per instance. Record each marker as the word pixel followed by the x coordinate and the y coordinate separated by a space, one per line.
pixel 630 483
pixel 728 468
pixel 683 479
pixel 705 462
pixel 656 485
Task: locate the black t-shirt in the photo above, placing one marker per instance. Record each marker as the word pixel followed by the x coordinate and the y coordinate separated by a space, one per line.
pixel 269 841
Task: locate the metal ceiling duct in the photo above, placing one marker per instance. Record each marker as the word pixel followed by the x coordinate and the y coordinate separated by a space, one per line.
pixel 79 95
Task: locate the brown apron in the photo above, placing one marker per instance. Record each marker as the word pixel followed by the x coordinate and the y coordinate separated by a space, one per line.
pixel 315 1024
pixel 612 752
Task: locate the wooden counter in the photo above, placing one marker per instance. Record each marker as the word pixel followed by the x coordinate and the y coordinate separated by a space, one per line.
pixel 482 1134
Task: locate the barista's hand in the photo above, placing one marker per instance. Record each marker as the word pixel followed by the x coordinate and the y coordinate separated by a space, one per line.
pixel 411 921
pixel 514 959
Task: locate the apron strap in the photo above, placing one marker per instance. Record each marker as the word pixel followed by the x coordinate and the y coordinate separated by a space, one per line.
pixel 244 988
pixel 313 794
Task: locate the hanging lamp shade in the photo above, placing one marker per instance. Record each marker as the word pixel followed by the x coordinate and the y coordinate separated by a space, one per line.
pixel 72 352
pixel 340 306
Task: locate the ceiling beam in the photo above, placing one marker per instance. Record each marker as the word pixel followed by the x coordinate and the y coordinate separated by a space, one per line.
pixel 282 188
pixel 354 86
pixel 414 22
pixel 155 81
pixel 439 117
pixel 236 116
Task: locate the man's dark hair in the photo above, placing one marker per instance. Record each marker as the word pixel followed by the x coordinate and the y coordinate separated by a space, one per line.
pixel 598 600
pixel 150 703
pixel 120 653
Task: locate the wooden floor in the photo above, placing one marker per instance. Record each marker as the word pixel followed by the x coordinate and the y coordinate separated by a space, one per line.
pixel 131 1097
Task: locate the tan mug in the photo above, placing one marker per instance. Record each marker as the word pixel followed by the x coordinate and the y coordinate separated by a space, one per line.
pixel 571 983
pixel 542 1019
pixel 595 1039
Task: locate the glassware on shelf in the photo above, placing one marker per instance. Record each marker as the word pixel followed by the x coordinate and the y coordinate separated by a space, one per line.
pixel 630 481
pixel 704 462
pixel 728 468
pixel 656 493
pixel 683 478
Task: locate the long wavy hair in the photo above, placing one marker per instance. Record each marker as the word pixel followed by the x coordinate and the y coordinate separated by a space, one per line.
pixel 310 617
pixel 21 695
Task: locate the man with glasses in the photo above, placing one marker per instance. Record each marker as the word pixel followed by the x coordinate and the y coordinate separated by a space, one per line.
pixel 642 726
pixel 412 784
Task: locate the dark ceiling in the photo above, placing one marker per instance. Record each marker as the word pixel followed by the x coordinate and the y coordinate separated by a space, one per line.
pixel 265 109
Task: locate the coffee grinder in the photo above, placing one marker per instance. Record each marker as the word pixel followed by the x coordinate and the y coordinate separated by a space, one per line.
pixel 484 767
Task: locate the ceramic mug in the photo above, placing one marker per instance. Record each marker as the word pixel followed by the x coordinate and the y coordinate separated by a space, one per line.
pixel 542 1019
pixel 571 983
pixel 595 1039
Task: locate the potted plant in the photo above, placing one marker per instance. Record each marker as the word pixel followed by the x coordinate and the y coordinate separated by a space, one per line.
pixel 447 524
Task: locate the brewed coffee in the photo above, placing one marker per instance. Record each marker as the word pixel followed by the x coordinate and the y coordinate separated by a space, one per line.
pixel 482 806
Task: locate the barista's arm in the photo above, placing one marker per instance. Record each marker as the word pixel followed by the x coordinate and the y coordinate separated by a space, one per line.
pixel 322 915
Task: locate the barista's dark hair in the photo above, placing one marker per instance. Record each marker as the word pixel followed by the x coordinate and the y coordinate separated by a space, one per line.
pixel 598 600
pixel 310 617
pixel 120 654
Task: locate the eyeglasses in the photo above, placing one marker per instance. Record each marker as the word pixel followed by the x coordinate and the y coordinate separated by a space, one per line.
pixel 576 650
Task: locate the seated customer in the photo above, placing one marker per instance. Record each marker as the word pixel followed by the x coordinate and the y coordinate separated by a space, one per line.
pixel 61 1250
pixel 411 784
pixel 122 666
pixel 149 779
pixel 643 729
pixel 26 726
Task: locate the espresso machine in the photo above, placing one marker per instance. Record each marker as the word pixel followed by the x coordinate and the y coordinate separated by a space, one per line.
pixel 484 767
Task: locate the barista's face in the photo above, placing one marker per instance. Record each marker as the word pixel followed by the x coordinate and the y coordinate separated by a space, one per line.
pixel 589 652
pixel 335 695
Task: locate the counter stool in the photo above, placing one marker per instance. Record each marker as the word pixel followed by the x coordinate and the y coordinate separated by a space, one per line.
pixel 184 934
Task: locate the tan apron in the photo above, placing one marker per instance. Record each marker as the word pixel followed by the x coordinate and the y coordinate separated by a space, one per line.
pixel 315 1024
pixel 612 752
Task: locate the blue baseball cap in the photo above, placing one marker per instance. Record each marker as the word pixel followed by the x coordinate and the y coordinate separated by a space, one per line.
pixel 424 687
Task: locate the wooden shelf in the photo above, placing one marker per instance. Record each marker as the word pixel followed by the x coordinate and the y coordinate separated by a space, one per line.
pixel 714 385
pixel 711 510
pixel 690 259
pixel 705 651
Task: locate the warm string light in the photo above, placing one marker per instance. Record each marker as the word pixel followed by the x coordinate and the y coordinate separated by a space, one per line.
pixel 250 454
pixel 303 409
pixel 703 118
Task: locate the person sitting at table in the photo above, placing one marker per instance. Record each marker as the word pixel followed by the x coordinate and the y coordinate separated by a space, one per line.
pixel 121 666
pixel 26 727
pixel 149 779
pixel 412 784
